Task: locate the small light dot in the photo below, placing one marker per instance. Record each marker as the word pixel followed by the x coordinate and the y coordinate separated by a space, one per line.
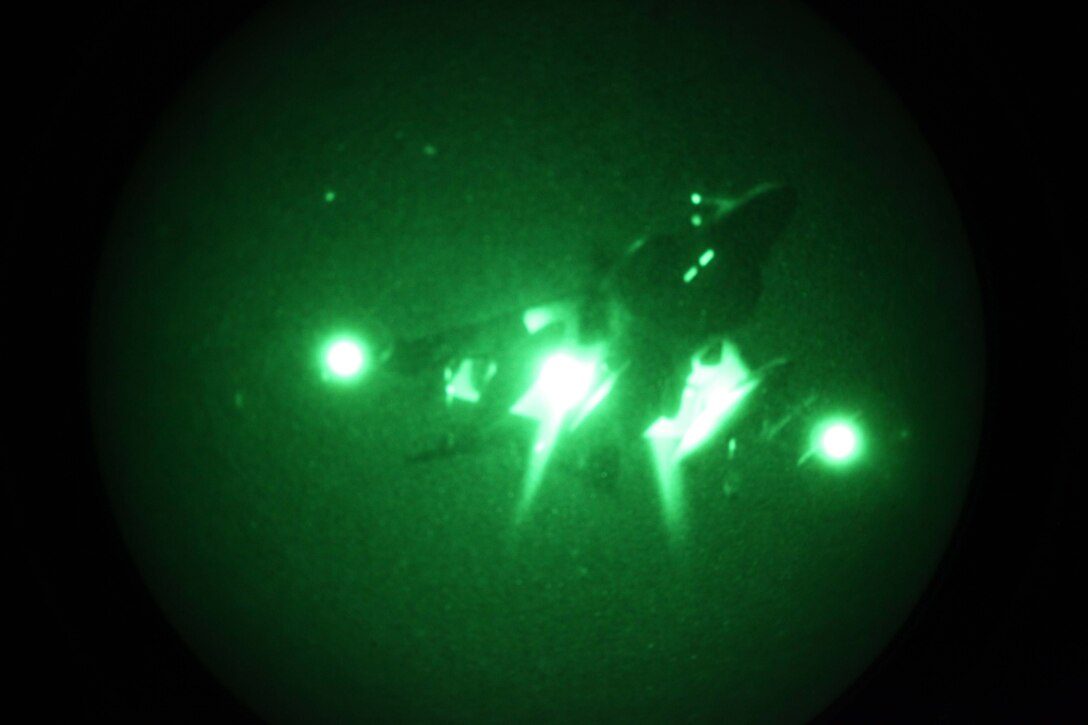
pixel 330 196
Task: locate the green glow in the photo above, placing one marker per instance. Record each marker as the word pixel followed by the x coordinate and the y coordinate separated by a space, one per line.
pixel 690 274
pixel 839 442
pixel 712 395
pixel 564 382
pixel 704 260
pixel 835 441
pixel 720 402
pixel 344 359
pixel 670 486
pixel 345 549
pixel 536 318
pixel 469 379
pixel 594 400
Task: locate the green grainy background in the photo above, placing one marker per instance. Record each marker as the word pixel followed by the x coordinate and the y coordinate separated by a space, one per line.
pixel 273 516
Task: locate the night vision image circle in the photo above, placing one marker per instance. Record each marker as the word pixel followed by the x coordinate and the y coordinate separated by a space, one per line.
pixel 537 362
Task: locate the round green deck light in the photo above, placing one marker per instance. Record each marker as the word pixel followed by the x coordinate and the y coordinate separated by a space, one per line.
pixel 345 359
pixel 839 441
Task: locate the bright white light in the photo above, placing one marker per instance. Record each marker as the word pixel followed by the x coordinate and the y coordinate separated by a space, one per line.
pixel 594 400
pixel 712 395
pixel 564 381
pixel 344 358
pixel 836 442
pixel 839 441
pixel 719 403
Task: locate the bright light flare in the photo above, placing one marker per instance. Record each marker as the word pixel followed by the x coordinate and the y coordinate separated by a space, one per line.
pixel 712 395
pixel 595 399
pixel 344 359
pixel 839 442
pixel 836 441
pixel 565 383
